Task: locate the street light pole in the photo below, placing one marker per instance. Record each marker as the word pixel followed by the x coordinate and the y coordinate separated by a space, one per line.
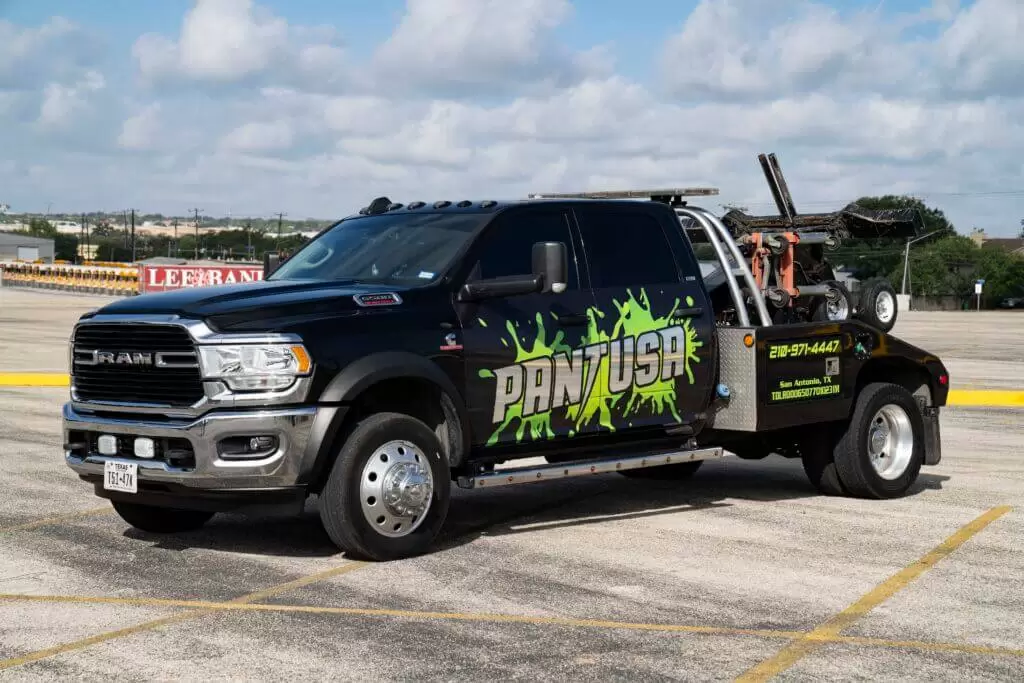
pixel 906 257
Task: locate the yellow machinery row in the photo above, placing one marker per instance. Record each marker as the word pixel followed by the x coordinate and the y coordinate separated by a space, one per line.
pixel 92 279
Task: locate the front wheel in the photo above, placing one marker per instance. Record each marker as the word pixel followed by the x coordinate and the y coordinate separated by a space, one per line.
pixel 160 520
pixel 388 491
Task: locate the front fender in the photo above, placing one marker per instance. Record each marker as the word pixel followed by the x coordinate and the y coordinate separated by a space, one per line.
pixel 346 387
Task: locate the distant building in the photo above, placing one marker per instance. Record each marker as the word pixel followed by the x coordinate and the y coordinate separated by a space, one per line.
pixel 1013 245
pixel 16 246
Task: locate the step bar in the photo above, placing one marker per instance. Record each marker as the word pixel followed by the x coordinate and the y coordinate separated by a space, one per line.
pixel 580 468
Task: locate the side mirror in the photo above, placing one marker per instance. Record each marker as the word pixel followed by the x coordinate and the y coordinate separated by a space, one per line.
pixel 551 263
pixel 271 260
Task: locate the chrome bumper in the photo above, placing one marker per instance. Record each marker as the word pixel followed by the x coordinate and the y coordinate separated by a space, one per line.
pixel 280 469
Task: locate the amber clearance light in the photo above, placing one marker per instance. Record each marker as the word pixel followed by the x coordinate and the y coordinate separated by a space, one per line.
pixel 302 358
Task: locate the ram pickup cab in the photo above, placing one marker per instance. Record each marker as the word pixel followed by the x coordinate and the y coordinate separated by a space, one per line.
pixel 409 349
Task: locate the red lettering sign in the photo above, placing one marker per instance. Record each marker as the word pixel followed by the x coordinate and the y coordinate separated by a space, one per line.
pixel 156 278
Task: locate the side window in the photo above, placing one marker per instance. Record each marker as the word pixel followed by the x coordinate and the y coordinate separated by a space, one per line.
pixel 625 249
pixel 507 246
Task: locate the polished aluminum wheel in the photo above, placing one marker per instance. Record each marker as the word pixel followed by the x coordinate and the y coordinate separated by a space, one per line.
pixel 890 442
pixel 396 488
pixel 885 307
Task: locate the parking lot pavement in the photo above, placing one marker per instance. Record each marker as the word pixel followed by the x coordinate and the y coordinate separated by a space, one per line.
pixel 597 577
pixel 739 573
pixel 35 326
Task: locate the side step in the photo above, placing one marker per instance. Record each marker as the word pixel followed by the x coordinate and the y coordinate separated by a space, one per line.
pixel 579 468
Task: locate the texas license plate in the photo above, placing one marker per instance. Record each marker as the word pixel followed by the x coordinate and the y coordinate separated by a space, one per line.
pixel 121 476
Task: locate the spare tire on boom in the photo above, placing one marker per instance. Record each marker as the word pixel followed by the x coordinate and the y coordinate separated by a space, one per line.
pixel 877 304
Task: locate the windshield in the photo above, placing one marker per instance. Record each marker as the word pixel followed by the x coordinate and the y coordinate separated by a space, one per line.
pixel 399 248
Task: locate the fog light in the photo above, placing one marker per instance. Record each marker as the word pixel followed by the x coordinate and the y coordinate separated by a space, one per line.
pixel 145 448
pixel 247 447
pixel 107 444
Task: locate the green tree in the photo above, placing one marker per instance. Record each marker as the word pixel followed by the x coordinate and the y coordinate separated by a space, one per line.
pixel 951 265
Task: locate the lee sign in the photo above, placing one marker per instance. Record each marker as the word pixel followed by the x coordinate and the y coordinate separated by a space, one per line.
pixel 162 278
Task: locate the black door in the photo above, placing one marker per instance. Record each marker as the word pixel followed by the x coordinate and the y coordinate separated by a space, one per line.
pixel 526 373
pixel 653 315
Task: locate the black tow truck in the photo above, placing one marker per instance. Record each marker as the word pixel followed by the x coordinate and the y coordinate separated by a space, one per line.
pixel 415 347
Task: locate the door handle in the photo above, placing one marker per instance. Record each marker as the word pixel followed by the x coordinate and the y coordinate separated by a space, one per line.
pixel 687 312
pixel 573 319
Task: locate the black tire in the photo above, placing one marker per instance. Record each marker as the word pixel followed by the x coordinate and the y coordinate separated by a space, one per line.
pixel 160 520
pixel 817 455
pixel 341 509
pixel 821 306
pixel 677 472
pixel 851 454
pixel 878 305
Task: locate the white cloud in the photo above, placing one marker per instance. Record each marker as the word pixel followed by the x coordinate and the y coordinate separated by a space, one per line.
pixel 493 45
pixel 752 49
pixel 221 40
pixel 982 49
pixel 141 131
pixel 225 42
pixel 865 103
pixel 259 136
pixel 62 104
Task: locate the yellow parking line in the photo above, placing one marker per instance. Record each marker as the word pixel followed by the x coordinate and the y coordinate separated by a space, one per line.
pixel 175 618
pixel 518 619
pixel 980 398
pixel 55 520
pixel 987 398
pixel 34 379
pixel 801 647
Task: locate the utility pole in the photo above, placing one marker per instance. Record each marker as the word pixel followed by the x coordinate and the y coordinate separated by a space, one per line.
pixel 196 211
pixel 175 237
pixel 124 215
pixel 133 235
pixel 906 256
pixel 279 217
pixel 248 238
pixel 81 238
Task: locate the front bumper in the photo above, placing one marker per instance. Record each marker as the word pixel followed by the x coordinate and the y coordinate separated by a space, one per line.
pixel 206 474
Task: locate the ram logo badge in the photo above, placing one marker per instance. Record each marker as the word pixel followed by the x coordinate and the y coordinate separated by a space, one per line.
pixel 114 358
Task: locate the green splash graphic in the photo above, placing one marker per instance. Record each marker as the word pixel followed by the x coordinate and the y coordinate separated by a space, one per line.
pixel 597 402
pixel 538 425
pixel 635 318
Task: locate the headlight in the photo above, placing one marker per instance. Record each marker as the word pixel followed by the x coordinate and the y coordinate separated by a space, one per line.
pixel 252 367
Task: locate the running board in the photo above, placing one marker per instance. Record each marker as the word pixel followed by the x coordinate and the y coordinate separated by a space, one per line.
pixel 579 468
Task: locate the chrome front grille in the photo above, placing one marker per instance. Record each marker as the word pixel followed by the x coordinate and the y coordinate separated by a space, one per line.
pixel 149 364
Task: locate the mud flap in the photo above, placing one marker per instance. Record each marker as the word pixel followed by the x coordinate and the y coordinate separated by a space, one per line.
pixel 932 436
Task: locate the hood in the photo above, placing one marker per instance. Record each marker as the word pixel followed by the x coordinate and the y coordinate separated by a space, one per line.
pixel 262 299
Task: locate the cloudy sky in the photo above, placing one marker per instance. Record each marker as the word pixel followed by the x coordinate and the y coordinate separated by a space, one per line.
pixel 313 107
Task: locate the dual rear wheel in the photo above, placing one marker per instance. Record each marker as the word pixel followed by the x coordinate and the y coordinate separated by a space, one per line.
pixel 877 454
